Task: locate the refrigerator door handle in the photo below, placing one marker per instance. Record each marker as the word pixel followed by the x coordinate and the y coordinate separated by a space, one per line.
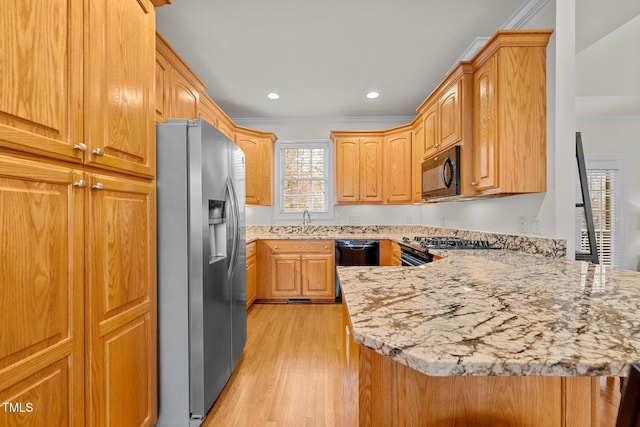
pixel 235 214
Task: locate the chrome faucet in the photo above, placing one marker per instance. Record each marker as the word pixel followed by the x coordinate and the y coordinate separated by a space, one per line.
pixel 306 219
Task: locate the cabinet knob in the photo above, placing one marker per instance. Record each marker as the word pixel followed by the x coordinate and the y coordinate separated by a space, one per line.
pixel 98 152
pixel 474 183
pixel 275 247
pixel 80 183
pixel 326 247
pixel 80 146
pixel 97 186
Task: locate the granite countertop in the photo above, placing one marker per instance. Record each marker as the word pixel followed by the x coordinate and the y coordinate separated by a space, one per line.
pixel 498 312
pixel 530 244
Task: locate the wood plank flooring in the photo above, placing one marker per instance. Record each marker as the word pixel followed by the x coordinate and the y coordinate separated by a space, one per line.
pixel 291 372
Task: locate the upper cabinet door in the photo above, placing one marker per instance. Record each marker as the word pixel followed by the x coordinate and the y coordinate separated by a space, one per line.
pixel 371 169
pixel 450 117
pixel 119 69
pixel 431 137
pixel 485 138
pixel 397 168
pixel 347 170
pixel 41 83
pixel 184 97
pixel 251 148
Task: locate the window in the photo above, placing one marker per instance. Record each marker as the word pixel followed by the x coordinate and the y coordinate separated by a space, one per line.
pixel 604 180
pixel 304 169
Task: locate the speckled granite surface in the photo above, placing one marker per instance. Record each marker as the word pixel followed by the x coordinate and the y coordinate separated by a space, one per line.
pixel 498 313
pixel 533 245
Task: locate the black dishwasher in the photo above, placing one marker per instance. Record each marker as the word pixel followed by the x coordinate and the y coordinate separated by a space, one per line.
pixel 355 252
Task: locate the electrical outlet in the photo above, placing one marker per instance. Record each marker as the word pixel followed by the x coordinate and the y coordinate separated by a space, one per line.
pixel 409 219
pixel 535 225
pixel 523 225
pixel 354 220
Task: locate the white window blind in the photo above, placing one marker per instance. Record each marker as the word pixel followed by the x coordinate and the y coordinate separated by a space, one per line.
pixel 604 190
pixel 304 171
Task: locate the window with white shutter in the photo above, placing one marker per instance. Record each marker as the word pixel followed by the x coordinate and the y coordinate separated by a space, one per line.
pixel 304 171
pixel 604 179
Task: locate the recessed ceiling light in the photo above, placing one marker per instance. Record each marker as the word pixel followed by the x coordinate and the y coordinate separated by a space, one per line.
pixel 373 95
pixel 273 95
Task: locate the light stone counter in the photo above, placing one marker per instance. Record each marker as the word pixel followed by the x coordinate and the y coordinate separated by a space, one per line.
pixel 497 312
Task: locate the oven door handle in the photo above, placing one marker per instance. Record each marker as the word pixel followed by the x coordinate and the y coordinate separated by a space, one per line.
pixel 447 163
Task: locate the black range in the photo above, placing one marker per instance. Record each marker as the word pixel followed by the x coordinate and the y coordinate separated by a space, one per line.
pixel 415 251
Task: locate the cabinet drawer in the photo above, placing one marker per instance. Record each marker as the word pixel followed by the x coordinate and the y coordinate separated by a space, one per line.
pixel 300 246
pixel 251 249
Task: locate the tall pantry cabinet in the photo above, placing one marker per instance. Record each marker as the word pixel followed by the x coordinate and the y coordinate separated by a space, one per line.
pixel 77 213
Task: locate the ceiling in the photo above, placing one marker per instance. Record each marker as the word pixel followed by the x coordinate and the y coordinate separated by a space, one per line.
pixel 323 57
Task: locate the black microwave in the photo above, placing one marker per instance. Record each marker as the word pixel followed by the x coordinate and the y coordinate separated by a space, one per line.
pixel 441 175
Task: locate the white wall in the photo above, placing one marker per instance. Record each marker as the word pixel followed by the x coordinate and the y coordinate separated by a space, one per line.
pixel 610 137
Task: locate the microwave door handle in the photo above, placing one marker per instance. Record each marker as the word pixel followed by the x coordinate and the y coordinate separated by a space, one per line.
pixel 447 182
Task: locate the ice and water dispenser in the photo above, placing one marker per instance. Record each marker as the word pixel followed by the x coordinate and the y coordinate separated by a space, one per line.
pixel 217 230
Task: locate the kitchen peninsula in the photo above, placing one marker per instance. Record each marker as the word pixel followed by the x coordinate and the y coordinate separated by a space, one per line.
pixel 485 339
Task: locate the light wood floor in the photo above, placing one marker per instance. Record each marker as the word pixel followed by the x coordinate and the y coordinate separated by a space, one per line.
pixel 291 372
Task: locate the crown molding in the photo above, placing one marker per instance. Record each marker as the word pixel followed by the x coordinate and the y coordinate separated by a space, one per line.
pixel 524 13
pixel 515 22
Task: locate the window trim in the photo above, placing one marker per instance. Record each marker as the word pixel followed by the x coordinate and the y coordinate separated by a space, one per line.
pixel 279 214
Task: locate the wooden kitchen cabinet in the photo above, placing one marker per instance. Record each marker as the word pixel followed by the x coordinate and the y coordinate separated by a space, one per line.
pixel 119 122
pixel 296 269
pixel 178 88
pixel 258 150
pixel 389 253
pixel 121 279
pixel 111 343
pixel 446 113
pixel 181 94
pixel 42 297
pixel 358 167
pixel 509 107
pixel 398 166
pixel 41 102
pixel 78 114
pixel 213 114
pixel 100 120
pixel 251 273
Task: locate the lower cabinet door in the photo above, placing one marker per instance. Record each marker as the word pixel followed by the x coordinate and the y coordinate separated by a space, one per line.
pixel 41 294
pixel 121 279
pixel 285 276
pixel 318 276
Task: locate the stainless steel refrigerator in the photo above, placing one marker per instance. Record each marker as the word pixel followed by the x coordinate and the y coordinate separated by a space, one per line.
pixel 202 325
